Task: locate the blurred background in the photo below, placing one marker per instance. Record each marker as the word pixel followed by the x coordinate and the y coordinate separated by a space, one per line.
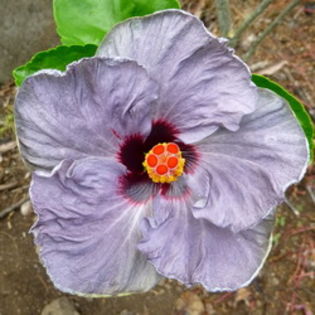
pixel 285 285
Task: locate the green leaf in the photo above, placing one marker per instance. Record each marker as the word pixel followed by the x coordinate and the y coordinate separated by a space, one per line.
pixel 55 58
pixel 297 107
pixel 81 22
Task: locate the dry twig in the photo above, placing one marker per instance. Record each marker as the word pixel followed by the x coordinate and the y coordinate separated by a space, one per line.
pixel 224 16
pixel 7 146
pixel 273 69
pixel 8 186
pixel 270 28
pixel 13 207
pixel 291 207
pixel 248 21
pixel 310 192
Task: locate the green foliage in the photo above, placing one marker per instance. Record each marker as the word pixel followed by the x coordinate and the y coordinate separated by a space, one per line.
pixel 7 124
pixel 275 238
pixel 280 221
pixel 81 26
pixel 55 58
pixel 81 22
pixel 297 107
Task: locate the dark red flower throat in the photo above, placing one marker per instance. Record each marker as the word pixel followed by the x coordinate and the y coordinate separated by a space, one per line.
pixel 133 149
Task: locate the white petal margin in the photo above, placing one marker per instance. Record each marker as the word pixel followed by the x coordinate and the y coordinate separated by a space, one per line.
pixel 85 111
pixel 248 171
pixel 194 251
pixel 203 84
pixel 87 232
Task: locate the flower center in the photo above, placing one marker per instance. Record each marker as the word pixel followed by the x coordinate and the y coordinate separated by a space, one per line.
pixel 164 162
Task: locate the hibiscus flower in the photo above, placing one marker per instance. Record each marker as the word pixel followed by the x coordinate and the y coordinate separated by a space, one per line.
pixel 156 158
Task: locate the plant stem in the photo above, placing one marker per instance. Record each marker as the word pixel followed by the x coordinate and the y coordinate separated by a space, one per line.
pixel 269 28
pixel 248 21
pixel 224 16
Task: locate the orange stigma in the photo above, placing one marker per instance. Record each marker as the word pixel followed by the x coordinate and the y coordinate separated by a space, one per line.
pixel 164 163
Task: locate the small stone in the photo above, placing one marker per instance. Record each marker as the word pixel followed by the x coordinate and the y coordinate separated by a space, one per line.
pixel 26 209
pixel 189 303
pixel 248 41
pixel 209 309
pixel 60 306
pixel 27 175
pixel 162 282
pixel 275 281
pixel 243 295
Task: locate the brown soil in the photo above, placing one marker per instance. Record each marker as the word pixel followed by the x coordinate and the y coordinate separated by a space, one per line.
pixel 286 283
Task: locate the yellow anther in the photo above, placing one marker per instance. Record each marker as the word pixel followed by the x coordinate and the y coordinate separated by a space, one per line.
pixel 164 163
